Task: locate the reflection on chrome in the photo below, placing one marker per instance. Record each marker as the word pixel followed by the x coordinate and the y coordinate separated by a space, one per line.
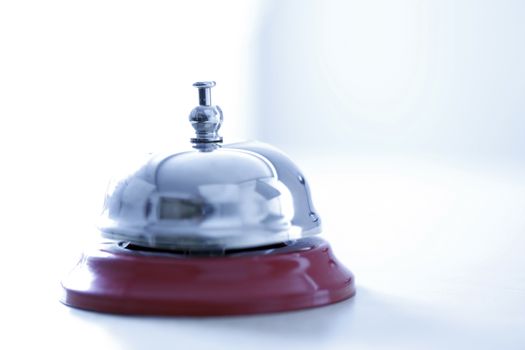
pixel 213 196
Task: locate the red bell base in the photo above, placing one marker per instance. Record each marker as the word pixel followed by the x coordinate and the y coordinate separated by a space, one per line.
pixel 114 279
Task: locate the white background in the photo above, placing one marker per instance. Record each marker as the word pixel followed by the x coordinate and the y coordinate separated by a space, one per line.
pixel 407 117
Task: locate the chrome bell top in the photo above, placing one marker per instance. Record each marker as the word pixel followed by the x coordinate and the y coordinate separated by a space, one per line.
pixel 214 197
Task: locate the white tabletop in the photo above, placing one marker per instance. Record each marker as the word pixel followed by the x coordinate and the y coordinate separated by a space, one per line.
pixel 437 250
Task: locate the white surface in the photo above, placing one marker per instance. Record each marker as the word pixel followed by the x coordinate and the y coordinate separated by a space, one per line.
pixel 437 251
pixel 410 76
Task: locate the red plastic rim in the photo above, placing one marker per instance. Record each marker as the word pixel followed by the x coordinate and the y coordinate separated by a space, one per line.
pixel 113 279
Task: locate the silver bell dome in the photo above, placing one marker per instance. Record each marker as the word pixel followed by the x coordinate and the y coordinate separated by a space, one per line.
pixel 213 197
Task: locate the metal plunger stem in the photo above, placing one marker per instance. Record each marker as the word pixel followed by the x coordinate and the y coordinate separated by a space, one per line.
pixel 204 92
pixel 206 119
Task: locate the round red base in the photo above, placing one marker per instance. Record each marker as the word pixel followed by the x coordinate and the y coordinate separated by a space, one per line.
pixel 114 279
